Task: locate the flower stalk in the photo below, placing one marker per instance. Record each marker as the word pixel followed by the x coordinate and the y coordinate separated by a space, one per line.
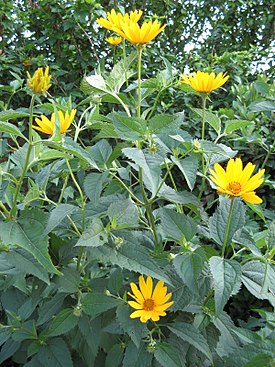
pixel 228 226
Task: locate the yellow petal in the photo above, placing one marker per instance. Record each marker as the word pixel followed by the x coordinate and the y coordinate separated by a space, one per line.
pixel 252 198
pixel 135 305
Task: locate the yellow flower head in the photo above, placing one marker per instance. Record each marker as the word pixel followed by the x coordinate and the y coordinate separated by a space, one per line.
pixel 236 181
pixel 149 303
pixel 114 19
pixel 139 35
pixel 40 82
pixel 204 82
pixel 114 41
pixel 47 126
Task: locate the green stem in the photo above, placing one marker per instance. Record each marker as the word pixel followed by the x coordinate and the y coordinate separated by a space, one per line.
pixel 127 189
pixel 268 154
pixel 139 52
pixel 63 189
pixel 204 97
pixel 124 58
pixel 227 226
pixel 148 209
pixel 20 181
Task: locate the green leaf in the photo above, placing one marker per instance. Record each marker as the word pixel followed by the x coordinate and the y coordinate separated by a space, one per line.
pixel 69 282
pixel 232 125
pixel 63 322
pixel 218 222
pixel 177 226
pixel 55 354
pixel 94 304
pixel 182 197
pixel 128 128
pixel 131 256
pixel 50 308
pixel 12 115
pixel 212 119
pixel 124 213
pixel 59 213
pixel 167 355
pixel 159 122
pixel 121 72
pixel 101 151
pixel 227 280
pixel 6 127
pixel 188 166
pixel 93 185
pixel 95 235
pixel 114 356
pixel 259 279
pixel 27 234
pixel 137 357
pixel 25 262
pixel 133 327
pixel 260 360
pixel 191 335
pixel 150 164
pixel 262 106
pixel 8 349
pixel 4 335
pixel 257 209
pixel 189 266
pixel 51 154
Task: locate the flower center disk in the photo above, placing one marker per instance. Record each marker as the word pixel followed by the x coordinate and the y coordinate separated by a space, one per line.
pixel 234 187
pixel 148 304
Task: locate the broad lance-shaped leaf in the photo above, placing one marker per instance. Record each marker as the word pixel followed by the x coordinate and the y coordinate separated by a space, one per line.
pixel 27 234
pixel 232 125
pixel 188 166
pixel 150 164
pixel 124 213
pixel 227 280
pixel 6 127
pixel 57 215
pixel 188 266
pixel 177 226
pixel 191 335
pixel 55 354
pixel 128 128
pixel 133 257
pixel 94 236
pixel 63 322
pixel 167 355
pixel 212 119
pixel 137 357
pixel 94 303
pixel 93 185
pixel 218 222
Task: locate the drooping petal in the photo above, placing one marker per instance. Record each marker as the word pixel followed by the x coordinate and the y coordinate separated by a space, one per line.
pixel 252 198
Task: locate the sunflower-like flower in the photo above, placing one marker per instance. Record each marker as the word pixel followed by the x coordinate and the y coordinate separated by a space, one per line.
pixel 236 181
pixel 114 41
pixel 204 82
pixel 114 19
pixel 47 126
pixel 135 34
pixel 40 81
pixel 149 303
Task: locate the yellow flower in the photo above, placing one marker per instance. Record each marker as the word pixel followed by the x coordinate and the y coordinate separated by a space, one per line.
pixel 114 41
pixel 204 82
pixel 40 82
pixel 139 35
pixel 47 126
pixel 114 19
pixel 236 181
pixel 148 303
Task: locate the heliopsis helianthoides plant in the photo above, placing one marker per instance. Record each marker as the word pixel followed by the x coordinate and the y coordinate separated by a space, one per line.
pixel 236 181
pixel 114 19
pixel 40 81
pixel 204 82
pixel 47 126
pixel 150 303
pixel 114 41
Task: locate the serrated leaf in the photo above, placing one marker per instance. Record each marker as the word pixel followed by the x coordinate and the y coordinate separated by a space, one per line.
pixel 134 328
pixel 212 119
pixel 137 357
pixel 27 234
pixel 182 197
pixel 262 106
pixel 57 215
pixel 232 125
pixel 25 262
pixel 150 164
pixel 12 115
pixel 189 266
pixel 93 185
pixel 50 308
pixel 191 335
pixel 50 154
pixel 128 128
pixel 227 280
pixel 102 150
pixel 114 356
pixel 218 222
pixel 188 166
pixel 167 355
pixel 63 322
pixel 93 304
pixel 177 226
pixel 95 235
pixel 6 127
pixel 55 354
pixel 8 349
pixel 125 214
pixel 131 256
pixel 69 282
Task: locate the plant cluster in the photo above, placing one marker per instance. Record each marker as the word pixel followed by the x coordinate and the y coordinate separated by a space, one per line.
pixel 128 234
